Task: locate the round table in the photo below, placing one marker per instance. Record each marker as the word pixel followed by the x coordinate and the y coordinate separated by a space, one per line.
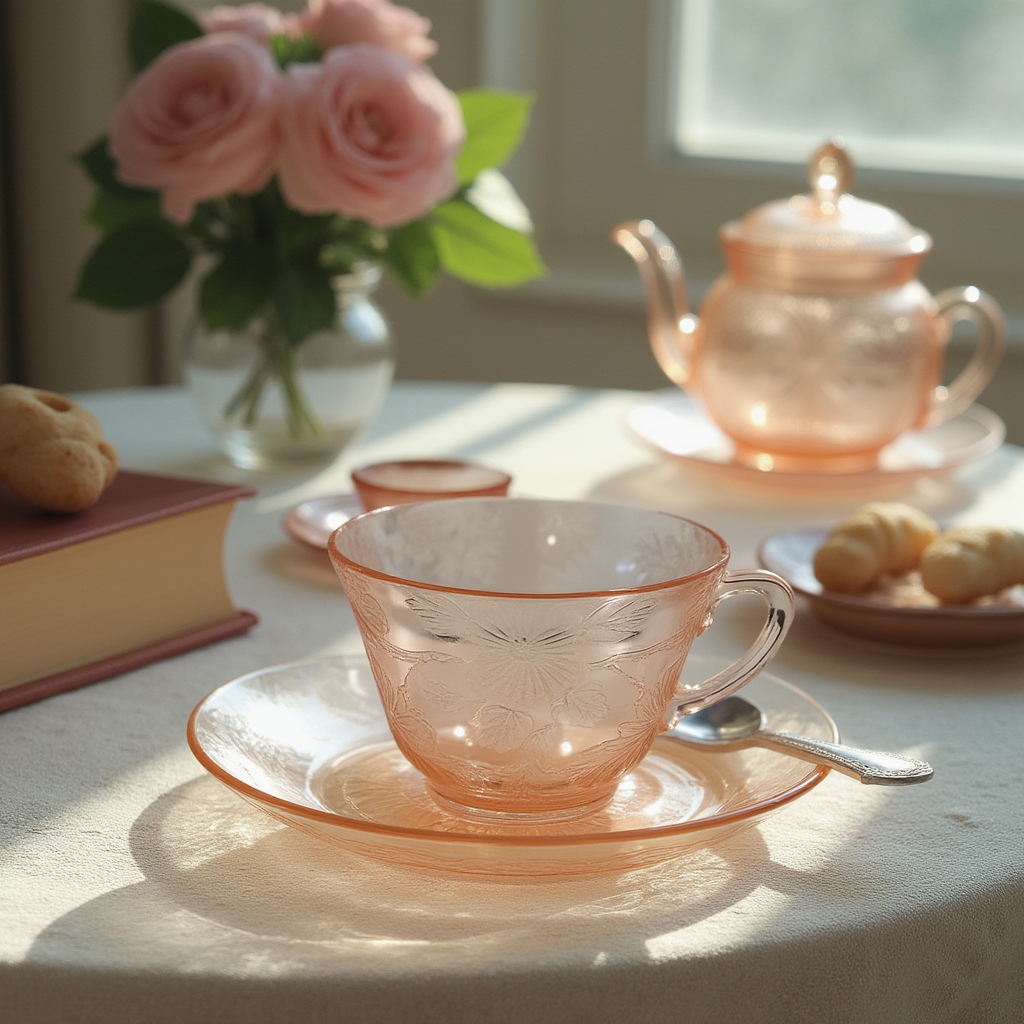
pixel 136 887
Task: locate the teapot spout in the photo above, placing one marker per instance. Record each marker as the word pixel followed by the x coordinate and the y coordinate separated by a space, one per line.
pixel 670 324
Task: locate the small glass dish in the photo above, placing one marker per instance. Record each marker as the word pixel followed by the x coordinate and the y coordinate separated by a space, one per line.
pixel 401 481
pixel 312 522
pixel 393 483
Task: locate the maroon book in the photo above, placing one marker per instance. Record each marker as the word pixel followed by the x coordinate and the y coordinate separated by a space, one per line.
pixel 136 578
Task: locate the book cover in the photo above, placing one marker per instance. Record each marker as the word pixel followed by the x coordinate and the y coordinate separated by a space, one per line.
pixel 132 499
pixel 136 578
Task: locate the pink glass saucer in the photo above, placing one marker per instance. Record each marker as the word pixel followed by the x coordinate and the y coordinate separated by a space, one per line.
pixel 308 744
pixel 993 624
pixel 670 422
pixel 312 522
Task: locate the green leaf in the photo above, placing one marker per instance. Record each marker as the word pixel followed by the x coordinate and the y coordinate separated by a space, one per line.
pixel 97 162
pixel 298 50
pixel 495 122
pixel 495 197
pixel 114 203
pixel 237 288
pixel 111 208
pixel 157 27
pixel 303 300
pixel 299 235
pixel 481 251
pixel 134 266
pixel 412 256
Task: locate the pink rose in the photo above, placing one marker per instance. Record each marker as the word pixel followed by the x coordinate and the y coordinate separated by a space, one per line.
pixel 370 134
pixel 201 121
pixel 378 22
pixel 257 21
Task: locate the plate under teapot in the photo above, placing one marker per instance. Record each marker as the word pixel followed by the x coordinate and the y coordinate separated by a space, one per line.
pixel 671 422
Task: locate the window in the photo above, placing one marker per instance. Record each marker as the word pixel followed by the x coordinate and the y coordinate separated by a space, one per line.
pixel 921 85
pixel 605 143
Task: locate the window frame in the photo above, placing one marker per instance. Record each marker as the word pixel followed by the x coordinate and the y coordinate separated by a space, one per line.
pixel 579 185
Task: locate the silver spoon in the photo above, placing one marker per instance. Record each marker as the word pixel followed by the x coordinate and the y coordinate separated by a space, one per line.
pixel 735 722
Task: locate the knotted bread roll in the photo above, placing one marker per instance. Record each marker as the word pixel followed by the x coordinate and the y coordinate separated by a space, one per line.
pixel 968 562
pixel 52 451
pixel 877 538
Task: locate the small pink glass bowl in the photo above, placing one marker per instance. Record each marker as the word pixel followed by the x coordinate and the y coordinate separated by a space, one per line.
pixel 406 480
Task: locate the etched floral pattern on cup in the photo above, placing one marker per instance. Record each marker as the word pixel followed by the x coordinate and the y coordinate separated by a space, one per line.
pixel 542 668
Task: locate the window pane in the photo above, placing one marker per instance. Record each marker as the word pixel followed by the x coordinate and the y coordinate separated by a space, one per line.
pixel 930 85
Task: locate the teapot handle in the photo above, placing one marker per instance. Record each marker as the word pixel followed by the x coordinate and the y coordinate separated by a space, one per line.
pixel 970 303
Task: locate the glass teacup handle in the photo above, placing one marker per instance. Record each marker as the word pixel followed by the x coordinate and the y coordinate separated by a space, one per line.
pixel 974 305
pixel 778 596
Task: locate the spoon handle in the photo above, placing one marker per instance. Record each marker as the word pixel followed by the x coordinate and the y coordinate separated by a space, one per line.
pixel 868 766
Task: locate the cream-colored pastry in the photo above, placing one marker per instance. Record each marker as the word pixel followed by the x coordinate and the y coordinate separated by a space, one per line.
pixel 968 562
pixel 878 538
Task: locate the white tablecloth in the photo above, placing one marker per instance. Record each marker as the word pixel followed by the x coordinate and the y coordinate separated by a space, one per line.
pixel 135 887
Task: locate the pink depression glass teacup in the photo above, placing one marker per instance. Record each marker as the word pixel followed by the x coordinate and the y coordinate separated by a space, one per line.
pixel 408 480
pixel 528 652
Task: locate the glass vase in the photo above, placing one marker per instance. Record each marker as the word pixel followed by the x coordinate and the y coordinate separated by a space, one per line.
pixel 271 404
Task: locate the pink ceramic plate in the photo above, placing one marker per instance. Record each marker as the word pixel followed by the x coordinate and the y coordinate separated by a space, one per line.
pixel 975 626
pixel 308 744
pixel 313 521
pixel 670 422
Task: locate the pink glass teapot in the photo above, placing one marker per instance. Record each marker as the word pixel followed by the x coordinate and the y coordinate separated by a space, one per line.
pixel 818 346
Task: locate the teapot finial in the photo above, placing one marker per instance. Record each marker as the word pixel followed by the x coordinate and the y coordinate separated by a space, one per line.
pixel 830 171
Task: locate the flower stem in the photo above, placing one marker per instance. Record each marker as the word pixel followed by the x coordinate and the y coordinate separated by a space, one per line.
pixel 276 361
pixel 301 418
pixel 246 400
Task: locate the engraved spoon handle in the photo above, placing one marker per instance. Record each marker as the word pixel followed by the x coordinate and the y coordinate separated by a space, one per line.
pixel 872 767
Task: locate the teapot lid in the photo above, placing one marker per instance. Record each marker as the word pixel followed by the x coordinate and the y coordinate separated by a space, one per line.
pixel 828 221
